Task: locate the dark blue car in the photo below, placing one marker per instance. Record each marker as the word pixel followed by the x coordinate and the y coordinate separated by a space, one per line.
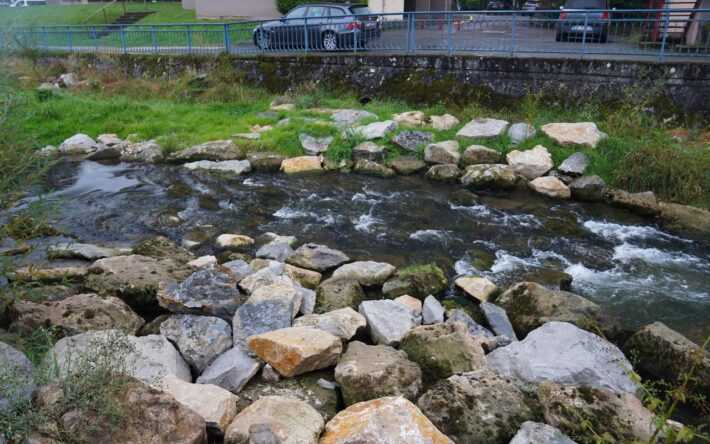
pixel 320 26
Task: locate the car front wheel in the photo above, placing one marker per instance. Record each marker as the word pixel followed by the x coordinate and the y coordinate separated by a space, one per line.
pixel 330 41
pixel 262 40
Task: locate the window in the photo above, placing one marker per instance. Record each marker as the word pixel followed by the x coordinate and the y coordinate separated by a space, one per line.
pixel 336 12
pixel 358 10
pixel 297 13
pixel 316 11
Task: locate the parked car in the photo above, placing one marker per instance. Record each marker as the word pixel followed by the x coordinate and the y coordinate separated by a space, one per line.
pixel 497 5
pixel 23 3
pixel 572 23
pixel 531 6
pixel 324 26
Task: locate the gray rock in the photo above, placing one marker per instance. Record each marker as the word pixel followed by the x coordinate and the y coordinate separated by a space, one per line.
pixel 240 269
pixel 78 145
pixel 273 238
pixel 369 151
pixel 68 80
pixel 343 323
pixel 278 252
pixel 265 161
pixel 443 152
pixel 565 354
pixel 477 407
pixel 643 204
pixel 376 130
pixel 211 291
pixel 317 257
pixel 262 277
pixel 265 311
pixel 349 117
pixel 498 320
pixel 366 272
pixel 371 168
pixel 147 358
pixel 411 140
pixel 236 167
pixel 483 128
pixel 145 152
pixel 489 176
pixel 479 155
pixel 308 300
pixel 588 188
pixel 432 311
pixel 262 434
pixel 335 293
pixel 88 252
pixel 314 146
pixel 200 339
pixel 532 163
pixel 367 372
pixel 266 115
pixel 539 433
pixel 284 289
pixel 444 173
pixel 231 370
pixel 217 150
pixel 387 320
pixel 407 165
pixel 105 152
pixel 574 165
pixel 476 330
pixel 17 380
pixel 520 132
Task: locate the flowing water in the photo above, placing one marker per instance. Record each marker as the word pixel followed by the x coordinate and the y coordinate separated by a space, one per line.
pixel 641 274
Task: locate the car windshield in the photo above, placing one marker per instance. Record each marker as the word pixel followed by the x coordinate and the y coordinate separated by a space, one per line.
pixel 586 4
pixel 360 10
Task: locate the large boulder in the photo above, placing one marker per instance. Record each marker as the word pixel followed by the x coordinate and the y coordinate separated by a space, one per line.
pixel 211 291
pixel 388 321
pixel 215 405
pixel 335 293
pixel 296 350
pixel 134 278
pixel 343 323
pixel 416 280
pixel 464 407
pixel 563 353
pixel 302 164
pixel 78 145
pixel 532 163
pixel 588 188
pixel 366 372
pixel 317 389
pixel 366 272
pixel 479 155
pixel 442 350
pixel 587 413
pixel 291 421
pixel 217 150
pixel 483 128
pixel 550 186
pixel 684 218
pixel 231 370
pixel 390 420
pixel 489 176
pixel 317 257
pixel 17 382
pixel 539 433
pixel 446 152
pixel 147 357
pixel 75 314
pixel 530 305
pixel 644 204
pixel 582 134
pixel 478 288
pixel 144 152
pixel 376 130
pixel 666 354
pixel 407 165
pixel 200 339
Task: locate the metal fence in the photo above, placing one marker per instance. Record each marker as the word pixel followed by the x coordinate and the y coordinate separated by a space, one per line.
pixel 653 34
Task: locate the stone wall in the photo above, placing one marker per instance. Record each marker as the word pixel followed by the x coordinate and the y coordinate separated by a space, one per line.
pixel 493 81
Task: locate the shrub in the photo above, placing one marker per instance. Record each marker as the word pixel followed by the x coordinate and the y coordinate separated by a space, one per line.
pixel 286 5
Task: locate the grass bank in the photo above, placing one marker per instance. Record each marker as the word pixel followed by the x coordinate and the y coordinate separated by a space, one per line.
pixel 640 153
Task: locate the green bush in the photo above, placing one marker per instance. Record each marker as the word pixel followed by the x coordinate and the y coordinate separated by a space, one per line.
pixel 286 5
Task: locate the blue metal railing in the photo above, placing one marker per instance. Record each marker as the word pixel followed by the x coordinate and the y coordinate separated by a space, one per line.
pixel 653 34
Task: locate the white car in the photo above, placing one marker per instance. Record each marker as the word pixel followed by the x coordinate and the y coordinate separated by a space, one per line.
pixel 22 3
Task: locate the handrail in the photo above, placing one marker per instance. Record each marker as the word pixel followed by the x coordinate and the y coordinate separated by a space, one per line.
pixel 103 9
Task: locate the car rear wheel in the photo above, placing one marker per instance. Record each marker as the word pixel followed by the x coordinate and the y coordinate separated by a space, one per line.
pixel 330 41
pixel 262 40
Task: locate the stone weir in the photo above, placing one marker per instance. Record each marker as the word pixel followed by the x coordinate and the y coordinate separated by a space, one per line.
pixel 494 81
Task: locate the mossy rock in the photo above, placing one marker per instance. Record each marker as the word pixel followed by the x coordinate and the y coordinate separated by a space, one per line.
pixel 161 247
pixel 335 293
pixel 419 281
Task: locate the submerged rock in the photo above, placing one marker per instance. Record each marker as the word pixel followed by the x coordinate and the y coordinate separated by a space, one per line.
pixel 217 150
pixel 464 407
pixel 367 372
pixel 483 128
pixel 388 321
pixel 200 339
pixel 489 176
pixel 583 134
pixel 562 353
pixel 231 370
pixel 442 350
pixel 317 257
pixel 390 420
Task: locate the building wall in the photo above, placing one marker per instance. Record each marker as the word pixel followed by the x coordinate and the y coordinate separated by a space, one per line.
pixel 387 7
pixel 218 9
pixel 188 4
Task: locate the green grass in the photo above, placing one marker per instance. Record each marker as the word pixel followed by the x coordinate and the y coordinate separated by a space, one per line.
pixel 168 12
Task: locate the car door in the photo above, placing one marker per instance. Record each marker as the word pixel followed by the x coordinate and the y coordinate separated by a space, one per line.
pixel 289 34
pixel 316 19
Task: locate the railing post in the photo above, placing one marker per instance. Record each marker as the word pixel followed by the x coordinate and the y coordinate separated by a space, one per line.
pixel 155 39
pixel 71 49
pixel 189 39
pixel 123 40
pixel 95 38
pixel 305 34
pixel 227 42
pixel 584 36
pixel 44 38
pixel 512 38
pixel 355 34
pixel 408 41
pixel 412 29
pixel 448 37
pixel 666 23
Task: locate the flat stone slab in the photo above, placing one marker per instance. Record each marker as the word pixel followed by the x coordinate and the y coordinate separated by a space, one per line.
pixel 216 150
pixel 317 257
pixel 411 140
pixel 343 323
pixel 478 288
pixel 387 320
pixel 582 134
pixel 88 252
pixel 231 370
pixel 302 164
pixel 366 272
pixel 483 128
pixel 574 165
pixel 376 130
